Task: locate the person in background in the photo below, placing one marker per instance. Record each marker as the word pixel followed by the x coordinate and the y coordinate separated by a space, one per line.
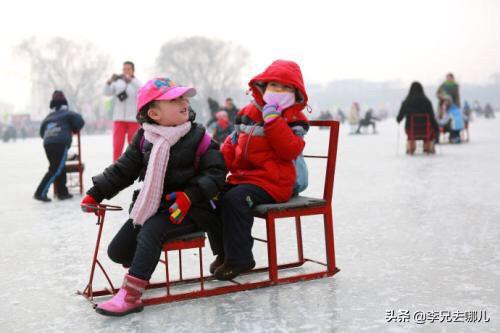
pixel 231 109
pixel 368 120
pixel 449 88
pixel 124 90
pixel 354 117
pixel 416 103
pixel 222 127
pixel 488 111
pixel 57 130
pixel 452 119
pixel 213 107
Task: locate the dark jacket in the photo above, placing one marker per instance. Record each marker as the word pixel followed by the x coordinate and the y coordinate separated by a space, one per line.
pixel 232 113
pixel 59 125
pixel 200 184
pixel 417 103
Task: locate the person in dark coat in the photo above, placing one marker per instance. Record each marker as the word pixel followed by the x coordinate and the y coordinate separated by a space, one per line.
pixel 57 130
pixel 231 109
pixel 176 193
pixel 416 103
pixel 214 107
pixel 368 120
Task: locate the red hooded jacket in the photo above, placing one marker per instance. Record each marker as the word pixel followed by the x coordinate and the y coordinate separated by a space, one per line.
pixel 262 154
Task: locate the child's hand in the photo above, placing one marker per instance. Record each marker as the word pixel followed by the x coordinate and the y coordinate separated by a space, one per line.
pixel 90 201
pixel 270 113
pixel 179 209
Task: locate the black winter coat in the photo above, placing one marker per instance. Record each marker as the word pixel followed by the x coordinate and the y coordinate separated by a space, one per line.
pixel 59 125
pixel 200 184
pixel 417 105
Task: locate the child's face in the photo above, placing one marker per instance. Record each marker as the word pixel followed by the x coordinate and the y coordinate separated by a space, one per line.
pixel 277 87
pixel 170 113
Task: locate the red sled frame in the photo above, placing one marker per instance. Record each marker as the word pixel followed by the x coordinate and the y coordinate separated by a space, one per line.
pixel 75 166
pixel 296 208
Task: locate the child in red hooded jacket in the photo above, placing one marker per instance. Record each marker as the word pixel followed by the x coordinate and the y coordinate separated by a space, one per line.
pixel 259 156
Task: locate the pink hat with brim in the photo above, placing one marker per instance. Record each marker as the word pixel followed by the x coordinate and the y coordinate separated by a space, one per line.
pixel 161 89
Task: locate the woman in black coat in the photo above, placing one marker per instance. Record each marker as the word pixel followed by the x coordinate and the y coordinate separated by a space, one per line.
pixel 413 107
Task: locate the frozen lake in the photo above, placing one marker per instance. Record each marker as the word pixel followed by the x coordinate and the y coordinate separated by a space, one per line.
pixel 412 234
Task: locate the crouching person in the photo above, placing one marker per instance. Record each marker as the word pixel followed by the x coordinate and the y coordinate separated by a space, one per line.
pixel 174 199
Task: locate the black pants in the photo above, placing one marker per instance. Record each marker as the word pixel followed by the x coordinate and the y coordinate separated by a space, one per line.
pixel 56 154
pixel 235 206
pixel 140 248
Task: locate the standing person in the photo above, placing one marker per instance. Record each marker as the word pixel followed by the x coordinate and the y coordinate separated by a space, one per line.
pixel 213 106
pixel 57 130
pixel 231 109
pixel 354 117
pixel 174 199
pixel 260 159
pixel 417 103
pixel 124 90
pixel 449 88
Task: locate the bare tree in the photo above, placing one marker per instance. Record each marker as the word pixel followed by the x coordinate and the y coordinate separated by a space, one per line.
pixel 78 69
pixel 213 66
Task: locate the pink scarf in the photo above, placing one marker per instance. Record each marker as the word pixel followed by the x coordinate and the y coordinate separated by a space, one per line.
pixel 162 138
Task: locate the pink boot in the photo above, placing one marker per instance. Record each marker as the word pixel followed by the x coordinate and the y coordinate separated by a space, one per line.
pixel 127 300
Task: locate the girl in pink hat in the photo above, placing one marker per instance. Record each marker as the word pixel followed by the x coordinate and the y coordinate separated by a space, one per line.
pixel 177 187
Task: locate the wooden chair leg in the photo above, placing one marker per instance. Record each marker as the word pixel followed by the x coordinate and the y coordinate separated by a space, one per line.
pixel 300 248
pixel 271 249
pixel 329 241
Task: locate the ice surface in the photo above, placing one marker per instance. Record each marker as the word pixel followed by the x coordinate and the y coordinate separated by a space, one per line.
pixel 418 233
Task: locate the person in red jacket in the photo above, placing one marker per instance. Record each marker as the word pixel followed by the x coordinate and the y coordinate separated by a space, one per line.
pixel 259 156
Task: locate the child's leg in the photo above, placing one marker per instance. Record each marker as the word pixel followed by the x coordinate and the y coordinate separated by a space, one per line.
pixel 119 129
pixel 56 154
pixel 132 127
pixel 214 234
pixel 122 248
pixel 237 221
pixel 155 231
pixel 147 241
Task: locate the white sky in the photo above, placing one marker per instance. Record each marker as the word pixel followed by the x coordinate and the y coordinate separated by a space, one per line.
pixel 374 39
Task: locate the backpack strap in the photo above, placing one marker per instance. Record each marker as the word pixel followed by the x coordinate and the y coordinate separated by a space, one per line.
pixel 141 144
pixel 202 148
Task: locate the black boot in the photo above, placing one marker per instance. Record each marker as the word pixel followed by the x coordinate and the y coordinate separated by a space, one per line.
pixel 65 196
pixel 230 271
pixel 40 198
pixel 219 261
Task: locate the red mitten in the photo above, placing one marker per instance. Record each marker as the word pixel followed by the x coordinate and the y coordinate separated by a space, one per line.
pixel 179 209
pixel 90 201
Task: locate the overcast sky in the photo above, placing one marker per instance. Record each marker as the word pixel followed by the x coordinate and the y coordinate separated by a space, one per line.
pixel 331 40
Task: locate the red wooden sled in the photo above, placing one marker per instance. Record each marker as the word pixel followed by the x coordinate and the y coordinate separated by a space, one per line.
pixel 297 207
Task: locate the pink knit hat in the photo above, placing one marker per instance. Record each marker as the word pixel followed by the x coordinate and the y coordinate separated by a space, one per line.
pixel 161 89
